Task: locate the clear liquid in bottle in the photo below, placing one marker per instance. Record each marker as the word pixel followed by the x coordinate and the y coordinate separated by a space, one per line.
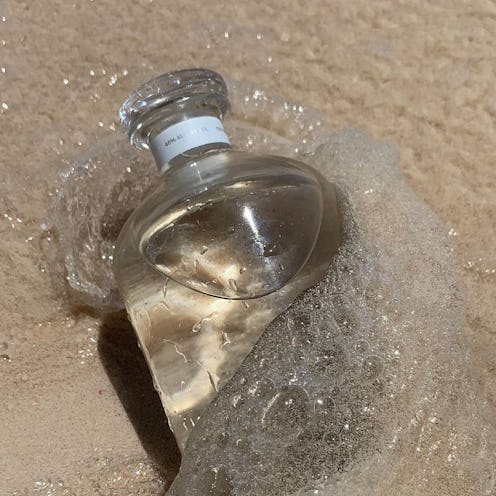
pixel 223 244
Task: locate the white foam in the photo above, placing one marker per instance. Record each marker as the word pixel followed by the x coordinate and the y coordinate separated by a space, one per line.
pixel 363 386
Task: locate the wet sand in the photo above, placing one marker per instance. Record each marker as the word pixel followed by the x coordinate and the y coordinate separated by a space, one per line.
pixel 416 75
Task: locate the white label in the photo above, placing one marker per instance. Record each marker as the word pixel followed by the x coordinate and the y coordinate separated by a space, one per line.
pixel 184 136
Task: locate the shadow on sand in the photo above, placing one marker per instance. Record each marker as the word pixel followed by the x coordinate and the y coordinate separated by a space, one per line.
pixel 131 379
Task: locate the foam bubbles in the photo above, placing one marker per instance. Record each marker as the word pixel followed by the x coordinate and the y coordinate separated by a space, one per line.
pixel 367 386
pixel 362 386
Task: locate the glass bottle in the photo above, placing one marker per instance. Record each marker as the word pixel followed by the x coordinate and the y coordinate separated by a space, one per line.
pixel 209 258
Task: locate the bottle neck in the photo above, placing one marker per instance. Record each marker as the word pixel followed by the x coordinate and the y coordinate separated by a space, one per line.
pixel 187 138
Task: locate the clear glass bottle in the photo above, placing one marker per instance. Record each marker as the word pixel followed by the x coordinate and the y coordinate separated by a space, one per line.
pixel 209 258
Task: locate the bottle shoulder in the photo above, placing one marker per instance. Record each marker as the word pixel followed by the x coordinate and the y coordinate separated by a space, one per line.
pixel 218 177
pixel 242 158
pixel 231 164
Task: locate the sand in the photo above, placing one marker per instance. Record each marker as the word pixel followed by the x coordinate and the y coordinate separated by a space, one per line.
pixel 419 76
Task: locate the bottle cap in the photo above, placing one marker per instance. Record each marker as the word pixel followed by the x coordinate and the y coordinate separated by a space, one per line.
pixel 187 89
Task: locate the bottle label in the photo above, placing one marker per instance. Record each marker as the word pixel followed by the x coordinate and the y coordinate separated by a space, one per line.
pixel 184 136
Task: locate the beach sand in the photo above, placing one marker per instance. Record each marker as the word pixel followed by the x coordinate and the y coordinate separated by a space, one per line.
pixel 417 75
